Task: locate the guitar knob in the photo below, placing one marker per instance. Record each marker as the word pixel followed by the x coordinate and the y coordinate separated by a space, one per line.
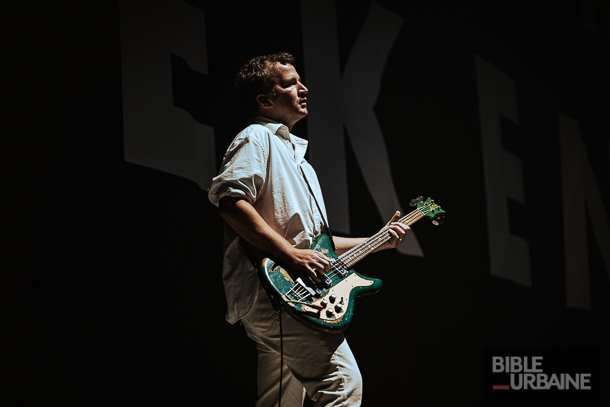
pixel 329 313
pixel 338 308
pixel 324 303
pixel 333 298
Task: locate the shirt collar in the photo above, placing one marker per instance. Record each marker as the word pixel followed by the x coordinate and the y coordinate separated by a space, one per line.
pixel 276 128
pixel 281 130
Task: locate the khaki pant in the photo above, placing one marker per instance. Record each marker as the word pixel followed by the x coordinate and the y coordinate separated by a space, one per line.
pixel 319 364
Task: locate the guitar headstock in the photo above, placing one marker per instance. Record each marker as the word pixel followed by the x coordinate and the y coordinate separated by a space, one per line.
pixel 430 209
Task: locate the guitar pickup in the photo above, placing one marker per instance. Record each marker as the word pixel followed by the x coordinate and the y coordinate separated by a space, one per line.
pixel 325 283
pixel 339 267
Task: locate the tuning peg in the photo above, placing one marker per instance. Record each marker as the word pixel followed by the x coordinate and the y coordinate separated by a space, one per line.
pixel 438 219
pixel 417 200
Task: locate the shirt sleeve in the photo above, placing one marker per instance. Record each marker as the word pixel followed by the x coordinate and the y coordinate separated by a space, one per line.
pixel 243 171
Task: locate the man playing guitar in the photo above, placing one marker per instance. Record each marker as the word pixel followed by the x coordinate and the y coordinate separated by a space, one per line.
pixel 270 198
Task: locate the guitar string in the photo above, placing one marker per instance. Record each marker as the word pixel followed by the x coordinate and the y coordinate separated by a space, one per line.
pixel 372 243
pixel 292 292
pixel 375 241
pixel 301 294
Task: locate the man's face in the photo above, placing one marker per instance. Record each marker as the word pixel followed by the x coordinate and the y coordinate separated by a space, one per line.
pixel 290 102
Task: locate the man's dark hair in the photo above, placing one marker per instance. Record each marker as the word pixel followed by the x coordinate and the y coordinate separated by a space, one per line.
pixel 257 77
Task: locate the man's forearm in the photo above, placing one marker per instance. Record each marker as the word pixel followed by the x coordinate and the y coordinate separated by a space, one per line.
pixel 396 231
pixel 247 222
pixel 343 244
pixel 244 219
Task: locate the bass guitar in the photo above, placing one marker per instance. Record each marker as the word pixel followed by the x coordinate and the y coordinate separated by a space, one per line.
pixel 329 305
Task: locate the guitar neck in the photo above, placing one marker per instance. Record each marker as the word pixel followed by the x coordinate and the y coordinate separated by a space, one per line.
pixel 359 252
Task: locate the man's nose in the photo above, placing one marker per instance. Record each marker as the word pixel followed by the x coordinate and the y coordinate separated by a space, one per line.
pixel 303 89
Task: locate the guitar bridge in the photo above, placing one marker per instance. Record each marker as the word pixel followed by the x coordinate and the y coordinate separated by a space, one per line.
pixel 310 291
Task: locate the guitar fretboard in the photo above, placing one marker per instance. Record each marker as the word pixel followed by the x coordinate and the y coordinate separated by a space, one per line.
pixel 359 252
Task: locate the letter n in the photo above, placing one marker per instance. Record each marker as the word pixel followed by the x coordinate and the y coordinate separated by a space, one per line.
pixel 580 190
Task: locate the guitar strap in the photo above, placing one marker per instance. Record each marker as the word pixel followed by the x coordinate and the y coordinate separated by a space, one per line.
pixel 330 234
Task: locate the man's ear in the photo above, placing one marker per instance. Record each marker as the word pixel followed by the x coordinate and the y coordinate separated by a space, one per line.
pixel 263 100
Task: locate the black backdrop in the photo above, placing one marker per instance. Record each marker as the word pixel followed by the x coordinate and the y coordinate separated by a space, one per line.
pixel 125 302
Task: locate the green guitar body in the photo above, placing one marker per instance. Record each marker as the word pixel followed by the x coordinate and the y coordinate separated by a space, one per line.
pixel 329 305
pixel 324 307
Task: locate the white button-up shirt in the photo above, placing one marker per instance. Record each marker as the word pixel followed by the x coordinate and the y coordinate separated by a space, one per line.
pixel 263 166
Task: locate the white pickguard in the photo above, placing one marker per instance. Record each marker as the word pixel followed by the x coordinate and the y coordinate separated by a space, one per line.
pixel 335 310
